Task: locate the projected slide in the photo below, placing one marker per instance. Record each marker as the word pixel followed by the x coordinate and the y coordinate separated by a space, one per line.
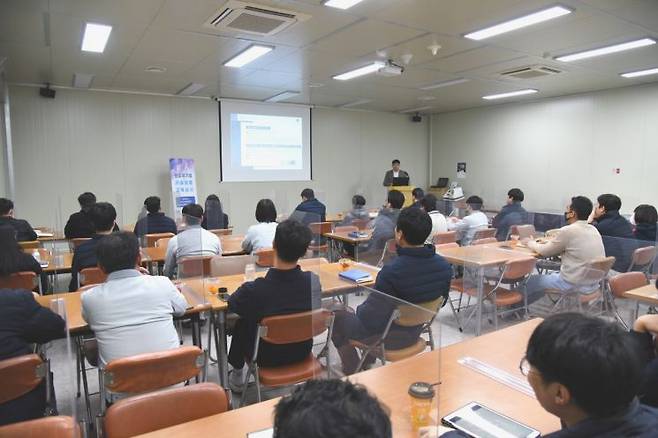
pixel 265 142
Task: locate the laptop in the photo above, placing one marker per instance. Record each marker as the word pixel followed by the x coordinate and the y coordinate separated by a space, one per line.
pixel 401 181
pixel 441 183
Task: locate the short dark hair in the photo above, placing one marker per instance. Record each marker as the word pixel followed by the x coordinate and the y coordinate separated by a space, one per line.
pixel 645 214
pixel 117 251
pixel 396 161
pixel 417 193
pixel 582 206
pixel 596 360
pixel 516 195
pixel 330 409
pixel 5 206
pixel 308 194
pixel 358 201
pixel 291 240
pixel 212 197
pixel 193 210
pixel 86 200
pixel 415 225
pixel 265 211
pixel 609 201
pixel 102 215
pixel 395 198
pixel 152 204
pixel 475 202
pixel 428 202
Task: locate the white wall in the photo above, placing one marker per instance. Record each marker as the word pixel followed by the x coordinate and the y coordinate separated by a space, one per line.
pixel 118 146
pixel 555 148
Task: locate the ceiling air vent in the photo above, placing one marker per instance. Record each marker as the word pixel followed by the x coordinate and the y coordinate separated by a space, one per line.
pixel 254 19
pixel 531 72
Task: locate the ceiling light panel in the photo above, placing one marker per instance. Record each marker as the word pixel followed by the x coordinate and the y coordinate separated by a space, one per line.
pixel 248 55
pixel 95 37
pixel 282 96
pixel 356 103
pixel 191 88
pixel 639 73
pixel 510 94
pixel 635 44
pixel 82 80
pixel 415 110
pixel 519 23
pixel 361 71
pixel 342 4
pixel 444 84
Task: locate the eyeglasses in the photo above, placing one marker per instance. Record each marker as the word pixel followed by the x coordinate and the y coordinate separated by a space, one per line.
pixel 524 366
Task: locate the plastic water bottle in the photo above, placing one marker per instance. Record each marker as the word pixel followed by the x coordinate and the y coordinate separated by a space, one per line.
pixel 249 272
pixel 36 255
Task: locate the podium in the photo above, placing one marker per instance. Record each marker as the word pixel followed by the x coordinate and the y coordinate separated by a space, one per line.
pixel 406 191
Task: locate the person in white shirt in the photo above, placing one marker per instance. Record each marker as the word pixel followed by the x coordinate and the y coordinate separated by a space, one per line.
pixel 475 220
pixel 261 235
pixel 192 241
pixel 130 313
pixel 439 223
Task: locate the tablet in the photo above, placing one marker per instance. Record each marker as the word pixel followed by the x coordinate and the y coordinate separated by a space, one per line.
pixel 481 422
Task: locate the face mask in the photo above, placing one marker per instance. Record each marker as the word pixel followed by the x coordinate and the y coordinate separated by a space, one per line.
pixel 566 216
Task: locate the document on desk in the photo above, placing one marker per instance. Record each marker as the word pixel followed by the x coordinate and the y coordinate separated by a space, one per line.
pixel 265 433
pixel 497 374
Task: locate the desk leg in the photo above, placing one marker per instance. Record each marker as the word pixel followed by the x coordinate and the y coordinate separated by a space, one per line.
pixel 480 282
pixel 220 347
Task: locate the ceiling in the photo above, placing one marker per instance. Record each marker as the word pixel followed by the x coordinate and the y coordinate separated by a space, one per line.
pixel 42 38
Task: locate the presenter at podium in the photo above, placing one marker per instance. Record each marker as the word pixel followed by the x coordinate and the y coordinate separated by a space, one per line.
pixel 395 172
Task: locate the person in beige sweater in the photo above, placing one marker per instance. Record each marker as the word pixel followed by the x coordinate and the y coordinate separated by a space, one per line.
pixel 577 244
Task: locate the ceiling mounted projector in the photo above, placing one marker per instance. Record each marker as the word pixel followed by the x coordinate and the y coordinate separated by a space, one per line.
pixel 390 69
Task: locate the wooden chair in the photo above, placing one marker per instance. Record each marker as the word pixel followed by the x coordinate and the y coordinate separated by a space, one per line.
pixel 484 241
pixel 76 242
pixel 157 410
pixel 265 257
pixel 20 375
pixel 596 273
pixel 219 232
pixel 31 244
pixel 441 246
pixel 361 224
pixel 229 265
pixel 521 231
pixel 405 315
pixel 90 276
pixel 290 329
pixel 310 262
pixel 51 427
pixel 484 233
pixel 151 239
pixel 20 280
pixel 642 259
pixel 390 251
pixel 318 244
pixel 618 286
pixel 162 242
pixel 195 266
pixel 446 237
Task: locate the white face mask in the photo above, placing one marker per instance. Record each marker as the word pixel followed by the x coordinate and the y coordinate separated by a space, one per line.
pixel 632 220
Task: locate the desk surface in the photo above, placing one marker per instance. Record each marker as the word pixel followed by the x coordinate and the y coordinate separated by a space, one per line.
pixel 485 255
pixel 645 294
pixel 460 385
pixel 344 236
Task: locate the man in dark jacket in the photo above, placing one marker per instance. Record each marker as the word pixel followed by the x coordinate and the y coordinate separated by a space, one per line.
pixel 417 275
pixel 79 224
pixel 383 226
pixel 512 213
pixel 24 231
pixel 24 322
pixel 616 231
pixel 310 209
pixel 155 221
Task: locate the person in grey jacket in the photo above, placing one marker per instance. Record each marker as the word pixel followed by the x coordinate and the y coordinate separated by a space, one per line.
pixel 395 172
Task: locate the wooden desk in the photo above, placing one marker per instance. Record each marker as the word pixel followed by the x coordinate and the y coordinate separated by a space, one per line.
pixel 334 217
pixel 389 383
pixel 231 245
pixel 646 294
pixel 343 236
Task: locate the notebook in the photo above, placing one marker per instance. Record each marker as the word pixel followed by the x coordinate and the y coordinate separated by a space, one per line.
pixel 356 275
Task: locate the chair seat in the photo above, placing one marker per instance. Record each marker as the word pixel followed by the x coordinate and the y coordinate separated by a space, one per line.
pixel 316 248
pixel 290 374
pixel 584 298
pixel 504 297
pixel 403 353
pixel 457 284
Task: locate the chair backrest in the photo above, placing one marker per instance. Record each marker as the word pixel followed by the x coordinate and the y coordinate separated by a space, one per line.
pixel 31 244
pixel 77 241
pixel 484 233
pixel 19 280
pixel 220 265
pixel 156 410
pixel 304 263
pixel 484 241
pixel 295 327
pixel 219 232
pixel 51 427
pixel 517 269
pixel 194 266
pixel 346 229
pixel 418 314
pixel 446 237
pixel 622 283
pixel 361 224
pixel 446 246
pixel 20 375
pixel 319 228
pixel 162 242
pixel 525 231
pixel 92 276
pixel 151 371
pixel 265 257
pixel 643 257
pixel 598 269
pixel 151 239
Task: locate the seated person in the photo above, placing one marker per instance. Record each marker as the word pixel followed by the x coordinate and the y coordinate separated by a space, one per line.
pixel 155 221
pixel 130 313
pixel 103 216
pixel 358 211
pixel 79 224
pixel 439 223
pixel 645 330
pixel 617 232
pixel 310 209
pixel 417 194
pixel 512 213
pixel 192 241
pixel 475 220
pixel 13 259
pixel 331 409
pixel 24 322
pixel 214 217
pixel 284 289
pixel 417 275
pixel 261 235
pixel 383 226
pixel 645 218
pixel 577 244
pixel 585 371
pixel 24 231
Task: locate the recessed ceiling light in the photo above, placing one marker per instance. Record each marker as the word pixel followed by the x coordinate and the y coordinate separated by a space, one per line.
pixel 356 103
pixel 155 69
pixel 248 55
pixel 191 89
pixel 510 94
pixel 82 80
pixel 341 4
pixel 638 73
pixel 361 71
pixel 607 50
pixel 95 37
pixel 444 84
pixel 415 110
pixel 282 96
pixel 518 23
pixel 426 98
